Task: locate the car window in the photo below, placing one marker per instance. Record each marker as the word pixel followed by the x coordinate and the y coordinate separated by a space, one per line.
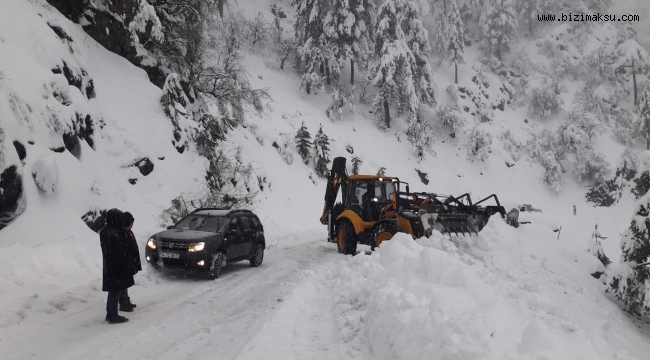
pixel 214 224
pixel 256 222
pixel 246 222
pixel 234 225
pixel 190 222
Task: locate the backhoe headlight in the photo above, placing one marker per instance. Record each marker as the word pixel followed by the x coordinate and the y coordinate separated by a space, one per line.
pixel 152 243
pixel 375 200
pixel 194 247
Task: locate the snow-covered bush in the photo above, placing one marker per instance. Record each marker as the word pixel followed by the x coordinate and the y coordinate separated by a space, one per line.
pixel 420 134
pixel 625 125
pixel 586 122
pixel 480 145
pixel 485 113
pixel 226 184
pixel 590 165
pixel 514 147
pixel 628 281
pixel 284 147
pixel 340 104
pixel 46 174
pixel 544 103
pixel 452 117
pixel 545 147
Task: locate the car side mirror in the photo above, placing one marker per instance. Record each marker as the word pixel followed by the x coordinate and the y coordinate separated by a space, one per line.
pixel 170 227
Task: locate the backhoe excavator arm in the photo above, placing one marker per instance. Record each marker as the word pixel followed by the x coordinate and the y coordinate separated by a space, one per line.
pixel 338 175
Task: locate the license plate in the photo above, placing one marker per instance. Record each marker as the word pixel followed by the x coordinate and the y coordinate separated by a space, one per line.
pixel 171 255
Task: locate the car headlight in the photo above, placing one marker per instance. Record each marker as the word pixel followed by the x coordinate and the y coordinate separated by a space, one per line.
pixel 194 247
pixel 152 243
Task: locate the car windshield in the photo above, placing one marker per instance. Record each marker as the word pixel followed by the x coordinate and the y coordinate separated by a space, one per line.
pixel 202 223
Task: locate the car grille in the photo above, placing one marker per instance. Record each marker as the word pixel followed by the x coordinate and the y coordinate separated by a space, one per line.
pixel 174 245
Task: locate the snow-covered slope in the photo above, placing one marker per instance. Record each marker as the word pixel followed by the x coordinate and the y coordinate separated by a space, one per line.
pixel 511 293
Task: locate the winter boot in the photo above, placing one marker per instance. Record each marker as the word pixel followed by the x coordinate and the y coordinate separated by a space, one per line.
pixel 117 320
pixel 125 300
pixel 126 308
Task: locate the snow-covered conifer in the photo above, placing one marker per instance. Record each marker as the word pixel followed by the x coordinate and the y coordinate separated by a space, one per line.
pixel 321 158
pixel 303 142
pixel 400 69
pixel 499 25
pixel 629 281
pixel 356 161
pixel 643 109
pixel 456 37
pixel 347 25
pixel 440 33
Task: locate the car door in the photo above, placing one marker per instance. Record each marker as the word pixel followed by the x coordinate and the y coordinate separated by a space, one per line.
pixel 233 238
pixel 248 236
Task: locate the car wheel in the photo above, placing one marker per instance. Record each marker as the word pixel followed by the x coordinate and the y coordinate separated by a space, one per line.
pixel 216 264
pixel 258 257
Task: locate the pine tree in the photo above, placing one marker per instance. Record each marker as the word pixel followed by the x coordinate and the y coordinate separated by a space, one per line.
pixel 530 9
pixel 400 69
pixel 313 47
pixel 499 25
pixel 355 164
pixel 347 26
pixel 643 108
pixel 321 147
pixel 440 35
pixel 303 143
pixel 630 283
pixel 456 38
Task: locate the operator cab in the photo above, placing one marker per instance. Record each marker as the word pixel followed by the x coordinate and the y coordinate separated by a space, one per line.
pixel 369 197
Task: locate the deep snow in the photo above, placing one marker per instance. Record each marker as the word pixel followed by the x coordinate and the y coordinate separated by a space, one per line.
pixel 507 294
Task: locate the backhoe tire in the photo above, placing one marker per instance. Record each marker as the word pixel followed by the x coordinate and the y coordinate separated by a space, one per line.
pixel 347 238
pixel 384 232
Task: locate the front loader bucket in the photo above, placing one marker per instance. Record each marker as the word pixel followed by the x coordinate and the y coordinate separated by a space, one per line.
pixel 465 224
pixel 459 224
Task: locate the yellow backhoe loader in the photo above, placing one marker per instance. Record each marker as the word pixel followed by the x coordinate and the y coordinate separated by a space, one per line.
pixel 373 209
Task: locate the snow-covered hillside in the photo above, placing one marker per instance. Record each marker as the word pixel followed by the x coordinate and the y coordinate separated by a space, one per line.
pixel 85 131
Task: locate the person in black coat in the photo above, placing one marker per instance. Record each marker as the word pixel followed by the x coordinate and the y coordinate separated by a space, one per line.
pixel 136 265
pixel 117 275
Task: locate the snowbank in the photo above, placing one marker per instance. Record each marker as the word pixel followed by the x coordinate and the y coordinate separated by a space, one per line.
pixel 496 296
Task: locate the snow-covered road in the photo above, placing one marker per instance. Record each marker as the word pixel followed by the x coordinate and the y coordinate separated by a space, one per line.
pixel 243 314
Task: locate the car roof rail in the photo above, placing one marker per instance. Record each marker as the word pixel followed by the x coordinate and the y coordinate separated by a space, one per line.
pixel 208 208
pixel 240 211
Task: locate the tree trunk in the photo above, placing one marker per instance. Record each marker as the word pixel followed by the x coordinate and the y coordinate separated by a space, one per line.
pixel 456 72
pixel 327 75
pixel 308 87
pixel 634 81
pixel 386 113
pixel 283 60
pixel 647 134
pixel 352 72
pixel 220 4
pixel 322 69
